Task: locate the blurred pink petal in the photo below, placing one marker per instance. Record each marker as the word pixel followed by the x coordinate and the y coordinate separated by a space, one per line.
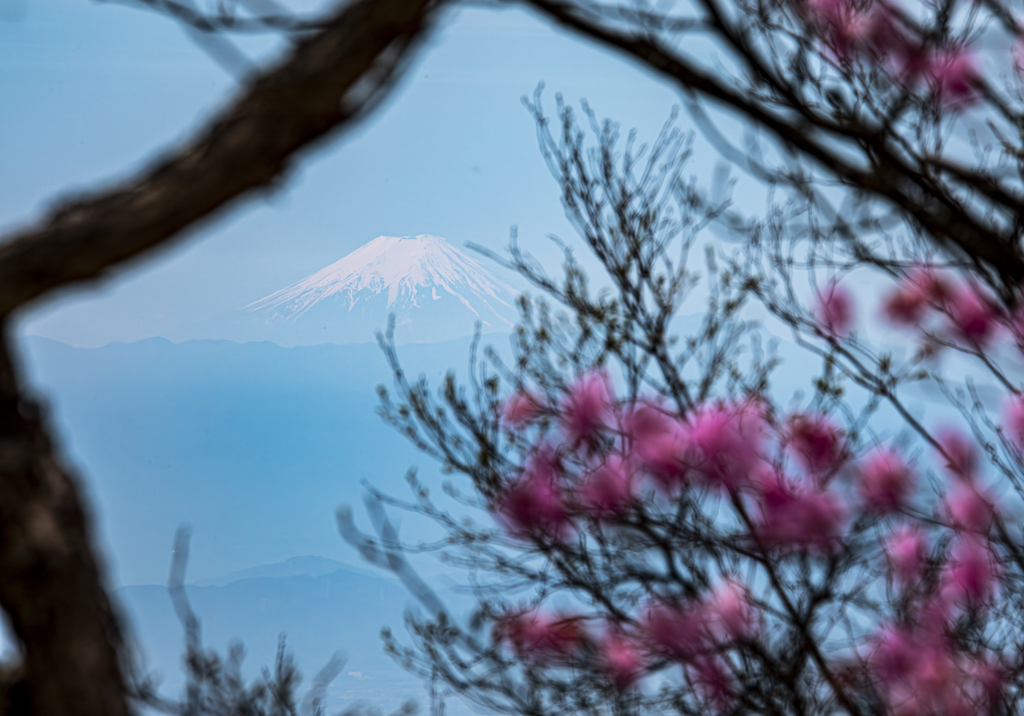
pixel 894 655
pixel 810 520
pixel 541 634
pixel 953 76
pixel 660 443
pixel 835 310
pixel 817 443
pixel 608 490
pixel 961 455
pixel 986 682
pixel 587 407
pixel 732 613
pixel 521 409
pixel 675 631
pixel 916 293
pixel 973 574
pixel 969 509
pixel 886 481
pixel 1013 420
pixel 973 315
pixel 623 659
pixel 907 550
pixel 726 442
pixel 534 504
pixel 713 681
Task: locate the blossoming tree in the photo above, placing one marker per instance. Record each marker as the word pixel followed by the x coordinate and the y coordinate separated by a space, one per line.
pixel 664 527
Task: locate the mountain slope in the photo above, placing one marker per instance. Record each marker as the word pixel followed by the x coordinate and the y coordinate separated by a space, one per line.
pixel 410 269
pixel 435 291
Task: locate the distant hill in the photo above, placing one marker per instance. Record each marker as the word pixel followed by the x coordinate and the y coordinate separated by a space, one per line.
pixel 253 444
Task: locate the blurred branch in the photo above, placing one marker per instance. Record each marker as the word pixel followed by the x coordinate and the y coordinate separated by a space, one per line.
pixel 326 83
pixel 859 156
pixel 51 586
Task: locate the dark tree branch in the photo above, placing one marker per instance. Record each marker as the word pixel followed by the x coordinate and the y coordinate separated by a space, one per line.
pixel 330 79
pixel 51 586
pixel 887 174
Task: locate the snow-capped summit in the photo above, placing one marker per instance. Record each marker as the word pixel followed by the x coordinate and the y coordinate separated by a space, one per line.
pixel 411 269
pixel 435 291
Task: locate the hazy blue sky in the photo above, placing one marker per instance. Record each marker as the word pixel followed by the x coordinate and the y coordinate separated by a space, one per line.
pixel 93 90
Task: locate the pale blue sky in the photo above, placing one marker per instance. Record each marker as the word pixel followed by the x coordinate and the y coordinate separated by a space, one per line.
pixel 93 90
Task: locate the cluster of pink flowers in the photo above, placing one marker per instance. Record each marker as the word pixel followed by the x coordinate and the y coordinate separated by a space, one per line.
pixel 918 670
pixel 852 29
pixel 720 446
pixel 967 312
pixel 786 480
pixel 917 666
pixel 689 634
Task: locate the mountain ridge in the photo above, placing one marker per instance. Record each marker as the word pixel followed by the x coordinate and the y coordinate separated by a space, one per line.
pixel 434 290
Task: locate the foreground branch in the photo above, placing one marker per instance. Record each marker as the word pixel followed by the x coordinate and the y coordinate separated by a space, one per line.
pixel 328 80
pixel 883 173
pixel 51 587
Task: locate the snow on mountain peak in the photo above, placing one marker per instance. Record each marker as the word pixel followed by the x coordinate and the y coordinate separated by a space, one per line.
pixel 412 270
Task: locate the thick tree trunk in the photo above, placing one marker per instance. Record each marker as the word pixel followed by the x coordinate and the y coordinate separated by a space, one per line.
pixel 51 587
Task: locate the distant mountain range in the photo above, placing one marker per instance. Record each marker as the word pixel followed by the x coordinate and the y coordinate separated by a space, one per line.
pixel 253 444
pixel 435 291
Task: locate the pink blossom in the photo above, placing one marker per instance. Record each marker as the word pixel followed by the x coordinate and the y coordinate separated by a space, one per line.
pixel 534 504
pixel 1013 420
pixel 953 76
pixel 818 443
pixel 973 315
pixel 819 518
pixel 587 407
pixel 986 681
pixel 972 575
pixel 660 443
pixel 969 510
pixel 826 11
pixel 959 452
pixel 800 519
pixel 541 634
pixel 848 31
pixel 918 673
pixel 845 29
pixel 905 306
pixel 935 671
pixel 921 288
pixel 608 490
pixel 732 613
pixel 726 443
pixel 835 310
pixel 712 681
pixel 521 409
pixel 774 490
pixel 886 481
pixel 894 656
pixel 623 659
pixel 907 550
pixel 674 630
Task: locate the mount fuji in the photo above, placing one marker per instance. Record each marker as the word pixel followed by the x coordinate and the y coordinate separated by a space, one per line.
pixel 435 291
